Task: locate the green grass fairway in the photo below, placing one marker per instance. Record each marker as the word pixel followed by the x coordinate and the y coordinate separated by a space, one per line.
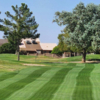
pixel 56 80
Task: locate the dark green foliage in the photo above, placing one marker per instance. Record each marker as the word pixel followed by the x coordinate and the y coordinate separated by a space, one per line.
pixel 90 50
pixel 79 49
pixel 62 45
pixel 1 26
pixel 56 50
pixel 76 49
pixel 97 51
pixel 7 48
pixel 83 26
pixel 25 25
pixel 48 90
pixel 21 25
pixel 83 90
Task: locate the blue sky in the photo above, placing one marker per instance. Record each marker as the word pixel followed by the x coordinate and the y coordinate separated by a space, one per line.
pixel 44 12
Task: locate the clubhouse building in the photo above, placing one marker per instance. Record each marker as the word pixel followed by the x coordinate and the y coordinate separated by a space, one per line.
pixel 33 46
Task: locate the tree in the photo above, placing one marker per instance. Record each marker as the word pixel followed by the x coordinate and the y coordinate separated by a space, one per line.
pixel 90 50
pixel 1 26
pixel 21 25
pixel 62 45
pixel 56 50
pixel 83 26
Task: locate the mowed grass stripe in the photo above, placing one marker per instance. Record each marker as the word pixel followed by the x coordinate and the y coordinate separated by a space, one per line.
pixel 83 90
pixel 6 92
pixel 95 79
pixel 66 89
pixel 1 73
pixel 7 76
pixel 71 64
pixel 30 89
pixel 21 74
pixel 48 90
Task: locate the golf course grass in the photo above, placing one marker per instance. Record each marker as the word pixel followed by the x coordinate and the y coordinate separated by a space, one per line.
pixel 57 79
pixel 83 88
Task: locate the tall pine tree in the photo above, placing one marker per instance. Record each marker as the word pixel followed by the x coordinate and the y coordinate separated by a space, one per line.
pixel 83 26
pixel 1 26
pixel 21 25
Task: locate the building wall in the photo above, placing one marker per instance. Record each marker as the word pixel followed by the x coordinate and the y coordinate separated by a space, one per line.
pixel 39 48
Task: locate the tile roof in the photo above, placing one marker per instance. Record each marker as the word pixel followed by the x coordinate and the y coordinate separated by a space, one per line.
pixel 47 46
pixel 30 47
pixel 35 47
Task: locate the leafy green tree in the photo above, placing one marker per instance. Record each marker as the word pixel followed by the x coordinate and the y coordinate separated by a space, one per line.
pixel 83 26
pixel 75 49
pixel 62 45
pixel 56 50
pixel 90 50
pixel 7 48
pixel 21 25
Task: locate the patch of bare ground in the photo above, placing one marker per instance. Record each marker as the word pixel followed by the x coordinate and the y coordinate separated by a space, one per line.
pixel 33 65
pixel 92 61
pixel 11 69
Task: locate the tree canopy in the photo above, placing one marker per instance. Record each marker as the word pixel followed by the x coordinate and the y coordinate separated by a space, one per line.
pixel 1 26
pixel 83 26
pixel 62 45
pixel 21 25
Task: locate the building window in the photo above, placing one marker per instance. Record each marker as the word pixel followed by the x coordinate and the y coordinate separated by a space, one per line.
pixel 34 42
pixel 28 42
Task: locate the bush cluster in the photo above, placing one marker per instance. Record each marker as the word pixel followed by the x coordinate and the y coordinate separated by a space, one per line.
pixel 56 50
pixel 7 48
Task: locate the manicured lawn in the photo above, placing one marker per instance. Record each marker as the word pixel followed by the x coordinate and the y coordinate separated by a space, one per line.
pixel 79 58
pixel 53 81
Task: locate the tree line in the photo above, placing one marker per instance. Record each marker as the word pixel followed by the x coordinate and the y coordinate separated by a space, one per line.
pixel 81 32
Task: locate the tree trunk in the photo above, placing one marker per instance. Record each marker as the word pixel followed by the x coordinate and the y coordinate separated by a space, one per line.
pixel 18 55
pixel 17 52
pixel 84 56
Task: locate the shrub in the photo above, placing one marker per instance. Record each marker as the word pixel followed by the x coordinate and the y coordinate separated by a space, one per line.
pixel 7 48
pixel 56 50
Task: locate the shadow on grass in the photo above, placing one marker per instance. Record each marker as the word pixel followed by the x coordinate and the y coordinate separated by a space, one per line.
pixel 94 60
